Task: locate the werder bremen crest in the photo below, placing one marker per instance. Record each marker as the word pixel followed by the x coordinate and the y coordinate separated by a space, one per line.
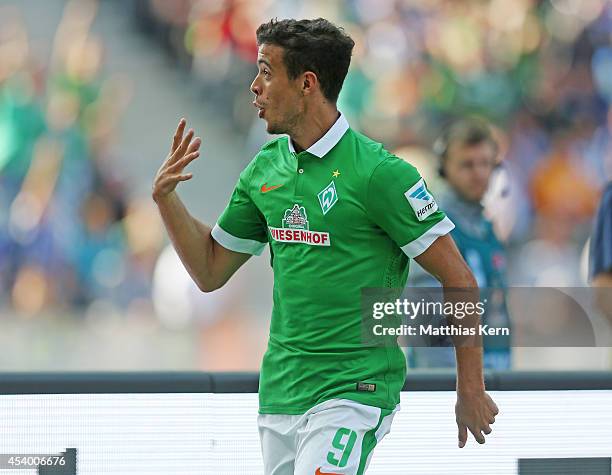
pixel 295 218
pixel 328 197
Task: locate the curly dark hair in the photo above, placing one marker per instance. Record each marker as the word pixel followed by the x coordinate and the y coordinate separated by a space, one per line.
pixel 311 45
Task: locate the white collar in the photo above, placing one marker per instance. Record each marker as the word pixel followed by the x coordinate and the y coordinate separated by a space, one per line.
pixel 322 146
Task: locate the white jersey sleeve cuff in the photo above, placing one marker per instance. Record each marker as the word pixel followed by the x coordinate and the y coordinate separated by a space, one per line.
pixel 236 244
pixel 420 245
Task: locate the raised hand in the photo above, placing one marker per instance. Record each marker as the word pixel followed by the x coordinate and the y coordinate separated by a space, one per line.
pixel 182 152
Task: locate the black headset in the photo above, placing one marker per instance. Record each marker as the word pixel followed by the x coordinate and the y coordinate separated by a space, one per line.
pixel 440 149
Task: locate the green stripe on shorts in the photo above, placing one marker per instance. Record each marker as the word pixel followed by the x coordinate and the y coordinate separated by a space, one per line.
pixel 369 442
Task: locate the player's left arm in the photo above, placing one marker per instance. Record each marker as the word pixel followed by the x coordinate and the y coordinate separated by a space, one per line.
pixel 474 410
pixel 399 202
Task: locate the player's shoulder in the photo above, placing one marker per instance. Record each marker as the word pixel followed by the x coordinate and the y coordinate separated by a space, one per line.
pixel 367 149
pixel 271 150
pixel 268 152
pixel 273 147
pixel 375 159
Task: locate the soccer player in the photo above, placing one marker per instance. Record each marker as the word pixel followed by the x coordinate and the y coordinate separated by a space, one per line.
pixel 340 213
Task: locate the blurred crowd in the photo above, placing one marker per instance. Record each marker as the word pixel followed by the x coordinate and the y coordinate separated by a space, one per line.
pixel 539 70
pixel 70 234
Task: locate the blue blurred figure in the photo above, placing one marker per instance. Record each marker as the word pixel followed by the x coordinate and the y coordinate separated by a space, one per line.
pixel 467 154
pixel 600 252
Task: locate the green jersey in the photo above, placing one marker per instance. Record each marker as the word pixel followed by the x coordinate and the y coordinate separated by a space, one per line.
pixel 341 216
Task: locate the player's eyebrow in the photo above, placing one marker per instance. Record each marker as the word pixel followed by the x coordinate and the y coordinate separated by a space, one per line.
pixel 260 61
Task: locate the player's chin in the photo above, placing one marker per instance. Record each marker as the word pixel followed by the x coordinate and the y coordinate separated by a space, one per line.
pixel 272 128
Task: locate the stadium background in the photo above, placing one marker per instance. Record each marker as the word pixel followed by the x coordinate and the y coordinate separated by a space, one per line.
pixel 90 93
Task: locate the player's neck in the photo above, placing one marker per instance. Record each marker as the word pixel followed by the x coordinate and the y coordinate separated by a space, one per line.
pixel 315 125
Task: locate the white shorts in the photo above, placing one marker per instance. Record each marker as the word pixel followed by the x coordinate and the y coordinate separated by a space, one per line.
pixel 336 437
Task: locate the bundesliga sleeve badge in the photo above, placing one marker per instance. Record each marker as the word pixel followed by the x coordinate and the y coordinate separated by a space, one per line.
pixel 421 200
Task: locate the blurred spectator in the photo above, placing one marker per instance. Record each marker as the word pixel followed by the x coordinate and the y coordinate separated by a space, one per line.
pixel 468 155
pixel 63 241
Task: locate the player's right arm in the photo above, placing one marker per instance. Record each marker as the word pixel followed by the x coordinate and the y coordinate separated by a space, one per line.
pixel 209 264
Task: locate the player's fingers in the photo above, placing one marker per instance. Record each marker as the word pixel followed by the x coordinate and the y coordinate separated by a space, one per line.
pixel 172 179
pixel 186 140
pixel 493 407
pixel 178 135
pixel 187 159
pixel 183 162
pixel 180 151
pixel 193 146
pixel 462 434
pixel 477 434
pixel 486 429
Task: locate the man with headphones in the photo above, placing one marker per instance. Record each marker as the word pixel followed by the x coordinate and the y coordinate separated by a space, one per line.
pixel 468 155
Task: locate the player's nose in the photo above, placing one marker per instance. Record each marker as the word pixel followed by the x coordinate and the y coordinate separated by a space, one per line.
pixel 255 87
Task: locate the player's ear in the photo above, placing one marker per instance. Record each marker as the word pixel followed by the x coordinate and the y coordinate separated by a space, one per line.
pixel 309 82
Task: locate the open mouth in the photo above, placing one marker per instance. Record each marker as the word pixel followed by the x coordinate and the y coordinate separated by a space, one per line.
pixel 260 109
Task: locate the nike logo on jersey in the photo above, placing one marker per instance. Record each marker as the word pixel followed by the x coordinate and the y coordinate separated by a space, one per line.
pixel 265 189
pixel 319 472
